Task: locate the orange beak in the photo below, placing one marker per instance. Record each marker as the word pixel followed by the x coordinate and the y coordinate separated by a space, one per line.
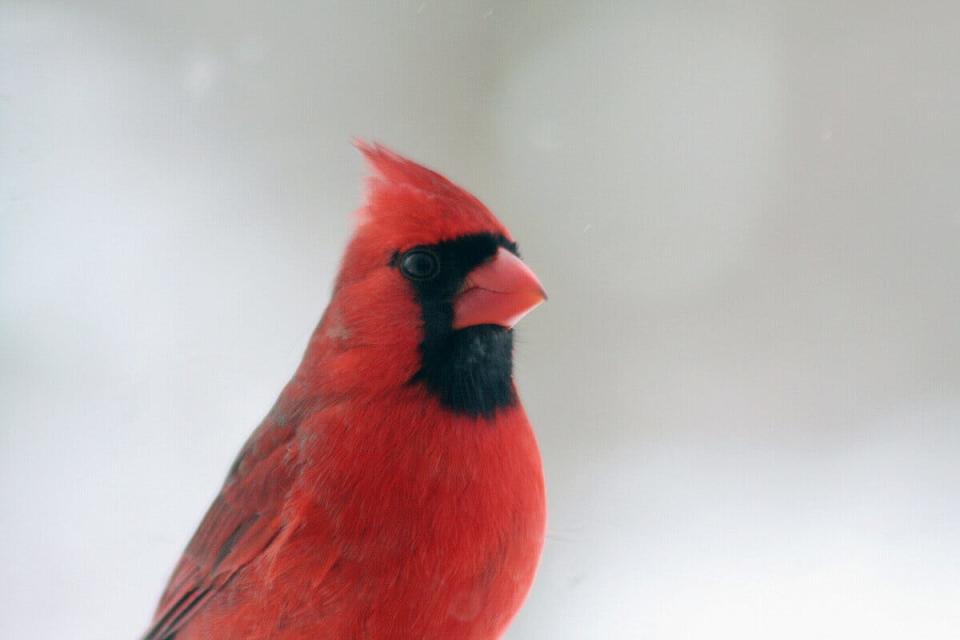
pixel 500 291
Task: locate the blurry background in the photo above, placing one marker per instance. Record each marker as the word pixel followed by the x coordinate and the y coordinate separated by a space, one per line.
pixel 746 383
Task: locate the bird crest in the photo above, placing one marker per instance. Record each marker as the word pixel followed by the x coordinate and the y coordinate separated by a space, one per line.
pixel 403 194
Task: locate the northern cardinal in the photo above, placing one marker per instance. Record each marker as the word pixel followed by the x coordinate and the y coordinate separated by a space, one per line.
pixel 395 489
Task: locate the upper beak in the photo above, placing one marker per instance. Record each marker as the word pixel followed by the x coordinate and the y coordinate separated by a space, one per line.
pixel 500 291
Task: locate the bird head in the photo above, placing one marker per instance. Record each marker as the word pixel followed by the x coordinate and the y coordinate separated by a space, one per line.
pixel 428 292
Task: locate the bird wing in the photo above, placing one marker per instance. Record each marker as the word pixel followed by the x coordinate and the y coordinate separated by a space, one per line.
pixel 242 522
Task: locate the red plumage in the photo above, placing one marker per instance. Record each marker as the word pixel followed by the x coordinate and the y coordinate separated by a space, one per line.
pixel 364 506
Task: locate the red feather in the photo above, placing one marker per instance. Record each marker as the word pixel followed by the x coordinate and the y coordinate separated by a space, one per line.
pixel 362 507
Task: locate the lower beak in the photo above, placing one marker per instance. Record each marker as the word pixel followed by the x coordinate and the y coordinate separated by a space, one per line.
pixel 500 292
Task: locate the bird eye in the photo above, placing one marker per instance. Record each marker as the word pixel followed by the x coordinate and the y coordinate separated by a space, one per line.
pixel 419 265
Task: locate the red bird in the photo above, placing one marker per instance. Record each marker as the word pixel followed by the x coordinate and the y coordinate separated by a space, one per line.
pixel 395 490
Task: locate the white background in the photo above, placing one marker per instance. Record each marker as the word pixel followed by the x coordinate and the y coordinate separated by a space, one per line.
pixel 746 382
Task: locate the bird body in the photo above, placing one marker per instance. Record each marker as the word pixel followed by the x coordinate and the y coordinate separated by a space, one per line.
pixel 395 490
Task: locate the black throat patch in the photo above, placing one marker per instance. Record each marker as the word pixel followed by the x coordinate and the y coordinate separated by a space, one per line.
pixel 469 370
